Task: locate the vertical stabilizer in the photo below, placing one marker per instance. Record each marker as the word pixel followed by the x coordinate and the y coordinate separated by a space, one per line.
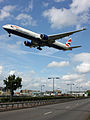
pixel 68 43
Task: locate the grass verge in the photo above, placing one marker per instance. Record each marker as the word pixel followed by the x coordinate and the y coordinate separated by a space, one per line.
pixel 89 117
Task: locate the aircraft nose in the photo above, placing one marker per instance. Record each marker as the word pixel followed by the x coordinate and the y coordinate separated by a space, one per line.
pixel 4 26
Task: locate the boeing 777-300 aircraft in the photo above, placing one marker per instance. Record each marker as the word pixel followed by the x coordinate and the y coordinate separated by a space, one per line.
pixel 41 40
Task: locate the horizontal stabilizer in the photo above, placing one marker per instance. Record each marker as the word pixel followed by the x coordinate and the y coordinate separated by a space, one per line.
pixel 74 47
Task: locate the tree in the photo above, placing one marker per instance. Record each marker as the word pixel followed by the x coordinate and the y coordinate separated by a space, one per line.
pixel 12 83
pixel 88 91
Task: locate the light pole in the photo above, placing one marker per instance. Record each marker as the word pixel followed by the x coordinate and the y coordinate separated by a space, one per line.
pixel 79 88
pixel 71 84
pixel 42 88
pixel 53 81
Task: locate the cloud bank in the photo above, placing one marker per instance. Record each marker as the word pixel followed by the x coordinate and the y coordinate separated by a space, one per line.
pixel 76 15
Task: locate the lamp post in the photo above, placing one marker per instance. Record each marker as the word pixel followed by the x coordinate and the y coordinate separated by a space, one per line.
pixel 79 88
pixel 53 81
pixel 71 84
pixel 42 87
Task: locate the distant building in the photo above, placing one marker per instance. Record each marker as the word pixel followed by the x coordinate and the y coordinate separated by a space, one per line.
pixel 17 94
pixel 4 92
pixel 51 93
pixel 1 90
pixel 57 92
pixel 78 93
pixel 30 93
pixel 35 93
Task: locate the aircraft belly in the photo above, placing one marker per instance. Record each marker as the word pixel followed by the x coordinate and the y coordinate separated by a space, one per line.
pixel 22 34
pixel 59 46
pixel 35 41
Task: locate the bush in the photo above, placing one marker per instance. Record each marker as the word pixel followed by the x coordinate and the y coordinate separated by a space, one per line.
pixel 28 98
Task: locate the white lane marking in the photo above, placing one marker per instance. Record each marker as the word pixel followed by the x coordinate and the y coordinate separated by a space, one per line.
pixel 47 113
pixel 67 107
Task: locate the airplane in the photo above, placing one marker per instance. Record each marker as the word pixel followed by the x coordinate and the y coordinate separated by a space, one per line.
pixel 41 40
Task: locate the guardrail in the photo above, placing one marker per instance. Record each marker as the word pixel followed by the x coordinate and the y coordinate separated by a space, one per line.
pixel 21 105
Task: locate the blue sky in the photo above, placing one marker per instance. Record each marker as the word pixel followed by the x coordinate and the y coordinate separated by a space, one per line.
pixel 34 66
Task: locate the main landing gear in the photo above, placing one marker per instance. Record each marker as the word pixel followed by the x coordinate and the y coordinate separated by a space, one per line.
pixel 39 48
pixel 9 35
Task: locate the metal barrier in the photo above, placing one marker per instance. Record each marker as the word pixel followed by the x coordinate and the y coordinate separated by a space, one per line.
pixel 21 105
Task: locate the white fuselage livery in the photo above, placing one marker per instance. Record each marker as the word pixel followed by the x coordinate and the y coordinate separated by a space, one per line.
pixel 40 40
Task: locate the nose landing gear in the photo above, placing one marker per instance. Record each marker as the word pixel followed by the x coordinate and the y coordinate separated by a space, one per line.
pixel 9 35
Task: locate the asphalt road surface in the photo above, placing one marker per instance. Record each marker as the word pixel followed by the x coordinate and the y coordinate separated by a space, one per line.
pixel 74 110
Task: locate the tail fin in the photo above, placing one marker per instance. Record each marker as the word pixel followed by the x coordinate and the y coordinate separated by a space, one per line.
pixel 68 43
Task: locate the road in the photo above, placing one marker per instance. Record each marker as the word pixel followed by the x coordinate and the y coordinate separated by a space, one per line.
pixel 73 110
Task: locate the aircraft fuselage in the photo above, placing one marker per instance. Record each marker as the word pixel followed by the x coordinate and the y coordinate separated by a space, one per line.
pixel 38 40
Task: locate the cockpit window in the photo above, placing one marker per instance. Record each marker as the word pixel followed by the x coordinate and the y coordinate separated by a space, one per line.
pixel 14 26
pixel 11 26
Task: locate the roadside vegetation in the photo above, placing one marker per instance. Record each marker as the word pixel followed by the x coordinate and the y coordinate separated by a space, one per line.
pixel 89 117
pixel 28 98
pixel 12 83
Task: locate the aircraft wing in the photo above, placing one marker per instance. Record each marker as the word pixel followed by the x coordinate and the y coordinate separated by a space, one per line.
pixel 62 35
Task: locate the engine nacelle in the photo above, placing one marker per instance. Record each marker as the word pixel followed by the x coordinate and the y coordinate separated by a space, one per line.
pixel 44 37
pixel 27 43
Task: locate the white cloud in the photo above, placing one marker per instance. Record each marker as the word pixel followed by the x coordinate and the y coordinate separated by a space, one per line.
pixel 5 12
pixel 58 64
pixel 1 1
pixel 86 84
pixel 4 37
pixel 76 15
pixel 59 0
pixel 45 50
pixel 26 19
pixel 79 80
pixel 36 85
pixel 12 72
pixel 1 67
pixel 79 7
pixel 29 7
pixel 32 72
pixel 72 77
pixel 13 48
pixel 45 4
pixel 83 68
pixel 29 79
pixel 60 17
pixel 82 57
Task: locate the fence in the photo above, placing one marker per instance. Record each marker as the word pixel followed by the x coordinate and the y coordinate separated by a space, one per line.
pixel 21 105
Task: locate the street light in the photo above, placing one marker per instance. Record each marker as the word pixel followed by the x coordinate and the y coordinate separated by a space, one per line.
pixel 71 84
pixel 53 81
pixel 42 87
pixel 79 88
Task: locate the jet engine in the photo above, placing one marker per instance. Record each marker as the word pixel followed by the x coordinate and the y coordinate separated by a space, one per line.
pixel 44 37
pixel 27 43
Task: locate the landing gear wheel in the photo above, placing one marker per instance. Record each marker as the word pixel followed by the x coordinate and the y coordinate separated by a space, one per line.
pixel 39 48
pixel 9 35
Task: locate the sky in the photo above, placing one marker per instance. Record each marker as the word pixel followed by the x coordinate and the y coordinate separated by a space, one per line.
pixel 34 66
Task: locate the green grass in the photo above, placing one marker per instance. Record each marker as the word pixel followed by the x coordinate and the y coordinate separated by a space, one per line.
pixel 89 117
